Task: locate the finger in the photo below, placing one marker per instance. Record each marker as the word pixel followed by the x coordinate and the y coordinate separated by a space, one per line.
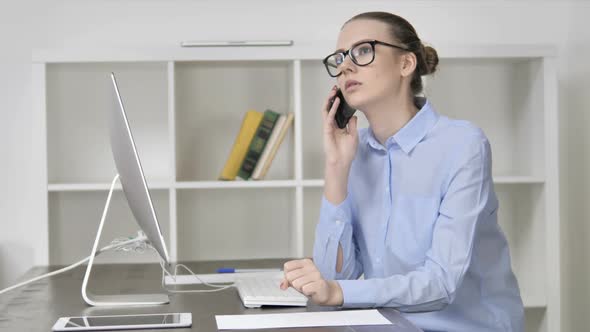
pixel 329 101
pixel 309 265
pixel 294 264
pixel 284 284
pixel 290 265
pixel 295 274
pixel 331 95
pixel 329 120
pixel 294 270
pixel 310 289
pixel 304 280
pixel 303 274
pixel 298 263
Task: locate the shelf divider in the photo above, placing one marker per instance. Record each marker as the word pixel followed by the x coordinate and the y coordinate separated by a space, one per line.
pixel 297 240
pixel 173 236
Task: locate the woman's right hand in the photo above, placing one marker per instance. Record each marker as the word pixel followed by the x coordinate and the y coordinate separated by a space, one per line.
pixel 339 144
pixel 304 276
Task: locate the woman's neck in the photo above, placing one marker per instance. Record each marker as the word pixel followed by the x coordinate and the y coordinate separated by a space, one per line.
pixel 387 117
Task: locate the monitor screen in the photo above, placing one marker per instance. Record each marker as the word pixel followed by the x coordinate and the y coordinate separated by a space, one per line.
pixel 131 174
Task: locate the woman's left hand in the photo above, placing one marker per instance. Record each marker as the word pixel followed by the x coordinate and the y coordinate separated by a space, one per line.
pixel 304 276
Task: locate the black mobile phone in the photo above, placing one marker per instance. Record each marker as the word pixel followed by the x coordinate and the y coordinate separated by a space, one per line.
pixel 344 111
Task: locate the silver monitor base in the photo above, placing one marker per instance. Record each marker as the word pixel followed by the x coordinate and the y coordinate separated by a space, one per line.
pixel 115 300
pixel 125 300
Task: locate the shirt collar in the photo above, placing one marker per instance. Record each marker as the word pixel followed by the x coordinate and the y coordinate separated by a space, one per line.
pixel 412 132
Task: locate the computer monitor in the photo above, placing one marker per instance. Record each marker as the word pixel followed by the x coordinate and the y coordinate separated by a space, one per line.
pixel 131 174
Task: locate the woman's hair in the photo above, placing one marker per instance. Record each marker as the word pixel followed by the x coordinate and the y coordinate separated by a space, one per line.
pixel 403 32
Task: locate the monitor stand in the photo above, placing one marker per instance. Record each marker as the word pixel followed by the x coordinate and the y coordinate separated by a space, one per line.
pixel 115 300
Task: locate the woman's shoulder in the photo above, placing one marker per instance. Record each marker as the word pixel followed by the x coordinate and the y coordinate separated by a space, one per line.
pixel 459 141
pixel 452 130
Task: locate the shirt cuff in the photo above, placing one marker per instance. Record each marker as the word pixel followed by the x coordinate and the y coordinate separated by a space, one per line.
pixel 357 293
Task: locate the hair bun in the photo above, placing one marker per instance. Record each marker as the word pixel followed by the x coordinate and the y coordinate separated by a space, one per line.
pixel 431 59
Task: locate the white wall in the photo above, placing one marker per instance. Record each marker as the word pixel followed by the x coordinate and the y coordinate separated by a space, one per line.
pixel 16 172
pixel 92 23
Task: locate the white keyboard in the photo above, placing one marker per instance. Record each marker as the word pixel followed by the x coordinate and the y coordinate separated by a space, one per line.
pixel 259 291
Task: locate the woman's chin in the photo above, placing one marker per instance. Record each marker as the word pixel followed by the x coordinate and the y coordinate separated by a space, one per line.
pixel 355 103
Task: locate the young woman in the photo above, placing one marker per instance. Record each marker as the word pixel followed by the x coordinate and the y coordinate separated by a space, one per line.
pixel 408 202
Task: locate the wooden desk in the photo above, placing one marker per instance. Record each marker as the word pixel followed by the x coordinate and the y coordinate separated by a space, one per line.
pixel 36 307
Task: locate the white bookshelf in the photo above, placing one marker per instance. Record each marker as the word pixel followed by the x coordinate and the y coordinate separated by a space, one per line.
pixel 185 107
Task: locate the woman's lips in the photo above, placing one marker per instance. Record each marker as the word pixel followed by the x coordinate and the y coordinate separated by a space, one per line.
pixel 351 85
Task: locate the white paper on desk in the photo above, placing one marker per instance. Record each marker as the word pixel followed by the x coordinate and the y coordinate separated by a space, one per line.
pixel 301 319
pixel 189 279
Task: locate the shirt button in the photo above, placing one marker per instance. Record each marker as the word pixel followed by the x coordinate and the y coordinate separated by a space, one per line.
pixel 378 260
pixel 338 222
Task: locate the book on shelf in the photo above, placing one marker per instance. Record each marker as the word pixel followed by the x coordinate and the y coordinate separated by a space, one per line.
pixel 263 132
pixel 274 142
pixel 250 123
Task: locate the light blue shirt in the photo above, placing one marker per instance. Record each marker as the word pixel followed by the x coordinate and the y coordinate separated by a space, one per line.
pixel 420 223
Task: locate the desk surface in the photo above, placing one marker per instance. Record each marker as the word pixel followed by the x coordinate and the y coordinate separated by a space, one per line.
pixel 36 307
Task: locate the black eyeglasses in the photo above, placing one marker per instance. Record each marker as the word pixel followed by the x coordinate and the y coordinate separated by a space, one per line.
pixel 361 53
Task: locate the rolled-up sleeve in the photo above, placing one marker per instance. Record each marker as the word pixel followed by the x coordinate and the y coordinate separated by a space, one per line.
pixel 465 203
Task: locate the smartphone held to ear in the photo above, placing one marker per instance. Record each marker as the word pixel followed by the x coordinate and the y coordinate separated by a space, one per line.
pixel 344 111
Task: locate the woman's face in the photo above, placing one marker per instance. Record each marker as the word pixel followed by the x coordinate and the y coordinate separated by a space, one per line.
pixel 379 79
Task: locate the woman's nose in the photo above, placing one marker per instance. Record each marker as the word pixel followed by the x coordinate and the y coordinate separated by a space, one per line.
pixel 347 65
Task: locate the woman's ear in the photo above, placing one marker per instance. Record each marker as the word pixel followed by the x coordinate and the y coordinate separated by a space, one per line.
pixel 408 63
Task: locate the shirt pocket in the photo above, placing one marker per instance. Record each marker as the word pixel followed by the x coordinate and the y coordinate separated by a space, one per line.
pixel 411 227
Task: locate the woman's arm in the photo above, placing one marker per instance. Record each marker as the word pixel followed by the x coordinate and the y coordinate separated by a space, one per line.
pixel 334 237
pixel 335 255
pixel 335 251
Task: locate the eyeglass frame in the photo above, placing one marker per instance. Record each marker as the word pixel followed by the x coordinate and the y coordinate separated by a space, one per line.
pixel 346 53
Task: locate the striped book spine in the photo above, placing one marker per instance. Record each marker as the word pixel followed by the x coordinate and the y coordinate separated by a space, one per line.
pixel 238 152
pixel 258 143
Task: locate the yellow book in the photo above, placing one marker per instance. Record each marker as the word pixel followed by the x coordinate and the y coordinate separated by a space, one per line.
pixel 238 152
pixel 274 143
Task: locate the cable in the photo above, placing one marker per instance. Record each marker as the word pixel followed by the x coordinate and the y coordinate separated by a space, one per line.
pixel 120 245
pixel 174 291
pixel 145 245
pixel 138 244
pixel 196 276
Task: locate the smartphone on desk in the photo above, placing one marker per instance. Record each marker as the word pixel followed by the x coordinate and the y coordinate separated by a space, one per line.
pixel 344 111
pixel 123 322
